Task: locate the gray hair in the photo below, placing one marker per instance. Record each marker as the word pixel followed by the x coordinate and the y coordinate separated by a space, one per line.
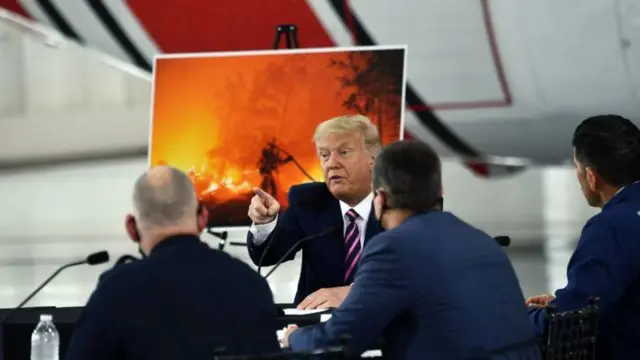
pixel 164 196
pixel 350 124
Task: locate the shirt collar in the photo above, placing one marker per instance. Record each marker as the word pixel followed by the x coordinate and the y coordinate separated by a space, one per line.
pixel 175 241
pixel 363 208
pixel 619 195
pixel 622 188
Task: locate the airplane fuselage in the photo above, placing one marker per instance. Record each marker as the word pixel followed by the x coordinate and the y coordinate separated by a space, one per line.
pixel 485 78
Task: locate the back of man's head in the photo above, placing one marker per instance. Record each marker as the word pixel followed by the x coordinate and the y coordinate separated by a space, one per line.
pixel 409 172
pixel 164 197
pixel 610 144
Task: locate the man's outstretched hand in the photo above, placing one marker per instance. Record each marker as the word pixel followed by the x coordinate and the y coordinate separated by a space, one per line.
pixel 325 298
pixel 263 207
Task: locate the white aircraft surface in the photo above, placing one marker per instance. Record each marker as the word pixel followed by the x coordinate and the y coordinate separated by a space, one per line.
pixel 499 83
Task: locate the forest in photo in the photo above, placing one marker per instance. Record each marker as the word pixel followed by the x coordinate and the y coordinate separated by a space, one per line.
pixel 372 83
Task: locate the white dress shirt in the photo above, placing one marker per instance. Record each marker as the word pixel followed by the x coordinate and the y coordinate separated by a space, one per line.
pixel 363 209
pixel 260 232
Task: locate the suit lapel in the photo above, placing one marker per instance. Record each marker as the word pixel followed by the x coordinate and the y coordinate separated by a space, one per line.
pixel 330 217
pixel 329 250
pixel 333 216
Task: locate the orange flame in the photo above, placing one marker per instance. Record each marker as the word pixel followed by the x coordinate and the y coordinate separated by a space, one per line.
pixel 223 186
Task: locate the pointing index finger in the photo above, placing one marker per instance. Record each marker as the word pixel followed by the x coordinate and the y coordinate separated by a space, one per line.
pixel 263 194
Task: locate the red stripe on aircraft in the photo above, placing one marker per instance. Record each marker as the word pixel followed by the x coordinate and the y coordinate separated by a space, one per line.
pixel 15 7
pixel 479 169
pixel 206 25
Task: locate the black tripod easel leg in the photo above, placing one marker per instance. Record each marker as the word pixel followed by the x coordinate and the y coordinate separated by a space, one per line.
pixel 290 33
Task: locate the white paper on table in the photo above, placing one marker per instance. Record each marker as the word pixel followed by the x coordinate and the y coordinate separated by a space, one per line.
pixel 366 354
pixel 295 311
pixel 371 353
pixel 325 317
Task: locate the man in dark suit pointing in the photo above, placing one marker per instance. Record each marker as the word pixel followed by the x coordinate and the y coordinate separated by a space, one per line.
pixel 347 147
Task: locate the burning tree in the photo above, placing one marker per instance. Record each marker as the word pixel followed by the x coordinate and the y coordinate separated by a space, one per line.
pixel 252 107
pixel 372 82
pixel 273 91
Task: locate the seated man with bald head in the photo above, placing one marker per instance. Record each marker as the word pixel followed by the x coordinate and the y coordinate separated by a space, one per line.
pixel 184 300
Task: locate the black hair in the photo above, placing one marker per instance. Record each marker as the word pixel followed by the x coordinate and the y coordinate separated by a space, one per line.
pixel 409 172
pixel 610 144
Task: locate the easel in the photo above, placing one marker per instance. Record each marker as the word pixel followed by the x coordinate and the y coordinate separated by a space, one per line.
pixel 290 33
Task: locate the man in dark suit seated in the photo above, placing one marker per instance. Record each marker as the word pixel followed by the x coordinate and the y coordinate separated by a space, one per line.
pixel 347 147
pixel 184 300
pixel 606 262
pixel 431 286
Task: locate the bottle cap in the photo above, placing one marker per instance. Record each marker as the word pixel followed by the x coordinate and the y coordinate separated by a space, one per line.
pixel 46 317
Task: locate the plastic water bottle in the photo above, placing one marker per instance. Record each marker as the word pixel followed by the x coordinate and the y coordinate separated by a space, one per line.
pixel 45 340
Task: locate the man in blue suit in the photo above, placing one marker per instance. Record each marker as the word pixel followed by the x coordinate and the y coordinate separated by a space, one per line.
pixel 347 147
pixel 413 284
pixel 184 300
pixel 606 262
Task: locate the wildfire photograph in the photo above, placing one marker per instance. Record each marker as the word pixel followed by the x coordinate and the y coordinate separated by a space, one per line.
pixel 237 121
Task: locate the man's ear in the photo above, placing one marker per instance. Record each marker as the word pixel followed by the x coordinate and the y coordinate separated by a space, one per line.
pixel 380 198
pixel 203 218
pixel 131 228
pixel 593 179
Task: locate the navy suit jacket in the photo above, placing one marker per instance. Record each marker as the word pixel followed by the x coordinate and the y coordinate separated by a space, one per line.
pixel 183 301
pixel 606 264
pixel 432 288
pixel 312 210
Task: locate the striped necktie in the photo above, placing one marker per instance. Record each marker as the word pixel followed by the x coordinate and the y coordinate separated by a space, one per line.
pixel 352 246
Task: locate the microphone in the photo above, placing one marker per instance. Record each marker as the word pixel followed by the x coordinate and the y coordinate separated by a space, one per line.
pixel 503 240
pixel 93 259
pixel 295 246
pixel 308 203
pixel 266 249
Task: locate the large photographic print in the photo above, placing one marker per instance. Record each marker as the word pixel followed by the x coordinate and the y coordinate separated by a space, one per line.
pixel 236 121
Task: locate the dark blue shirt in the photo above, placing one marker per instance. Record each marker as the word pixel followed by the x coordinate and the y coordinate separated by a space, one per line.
pixel 606 264
pixel 184 301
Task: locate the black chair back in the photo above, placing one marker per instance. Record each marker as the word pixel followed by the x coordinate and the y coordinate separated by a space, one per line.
pixel 571 335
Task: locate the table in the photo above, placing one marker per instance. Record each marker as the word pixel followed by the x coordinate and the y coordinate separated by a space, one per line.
pixel 15 334
pixel 323 315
